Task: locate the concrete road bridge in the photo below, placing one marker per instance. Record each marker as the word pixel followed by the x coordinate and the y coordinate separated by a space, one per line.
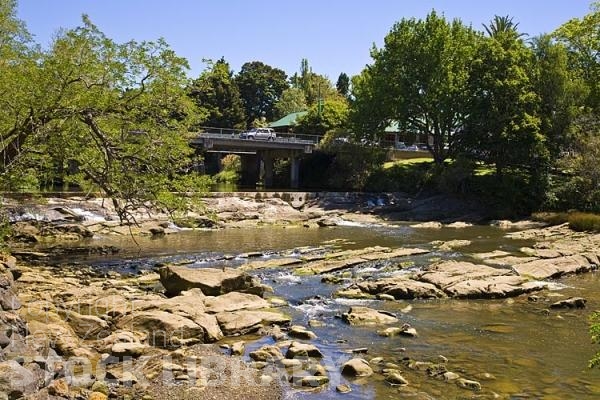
pixel 258 155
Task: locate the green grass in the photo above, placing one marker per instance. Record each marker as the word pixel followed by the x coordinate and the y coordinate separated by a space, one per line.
pixel 408 161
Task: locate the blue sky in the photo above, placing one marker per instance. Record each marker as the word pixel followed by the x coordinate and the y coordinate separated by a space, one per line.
pixel 334 35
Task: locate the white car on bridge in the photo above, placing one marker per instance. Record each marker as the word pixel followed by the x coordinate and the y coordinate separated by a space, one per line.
pixel 259 133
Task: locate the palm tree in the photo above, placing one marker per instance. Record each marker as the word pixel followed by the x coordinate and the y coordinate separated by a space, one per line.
pixel 503 25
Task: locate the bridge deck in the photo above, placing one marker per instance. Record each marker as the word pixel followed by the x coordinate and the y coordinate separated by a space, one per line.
pixel 232 142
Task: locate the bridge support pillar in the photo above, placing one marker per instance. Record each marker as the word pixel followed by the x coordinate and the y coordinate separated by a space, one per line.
pixel 268 161
pixel 294 171
pixel 250 169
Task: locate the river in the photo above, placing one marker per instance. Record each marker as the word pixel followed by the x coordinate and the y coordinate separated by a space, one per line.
pixel 515 348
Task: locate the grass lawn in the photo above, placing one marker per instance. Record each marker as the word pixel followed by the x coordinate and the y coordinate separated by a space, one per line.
pixel 480 170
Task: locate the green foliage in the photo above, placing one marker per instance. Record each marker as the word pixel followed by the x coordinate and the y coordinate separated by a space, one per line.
pixel 503 127
pixel 314 86
pixel 333 115
pixel 216 92
pixel 343 85
pixel 560 92
pixel 260 86
pixel 595 334
pixel 580 36
pixel 115 113
pixel 411 178
pixel 578 185
pixel 231 168
pixel 292 100
pixel 419 79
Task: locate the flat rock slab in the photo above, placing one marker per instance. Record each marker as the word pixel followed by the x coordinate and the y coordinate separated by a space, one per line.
pixel 448 273
pixel 461 279
pixel 243 322
pixel 493 287
pixel 211 281
pixel 555 267
pixel 234 301
pixel 401 287
pixel 350 258
pixel 273 263
pixel 367 316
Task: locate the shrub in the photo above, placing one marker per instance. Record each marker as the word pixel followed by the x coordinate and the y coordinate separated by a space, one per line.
pixel 551 218
pixel 587 222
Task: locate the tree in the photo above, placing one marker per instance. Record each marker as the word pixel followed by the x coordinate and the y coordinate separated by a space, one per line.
pixel 560 91
pixel 580 36
pixel 343 85
pixel 419 79
pixel 314 86
pixel 116 111
pixel 216 91
pixel 292 100
pixel 333 115
pixel 261 86
pixel 370 110
pixel 503 127
pixel 503 25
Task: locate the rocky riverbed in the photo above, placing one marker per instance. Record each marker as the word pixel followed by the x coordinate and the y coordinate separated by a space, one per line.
pixel 181 329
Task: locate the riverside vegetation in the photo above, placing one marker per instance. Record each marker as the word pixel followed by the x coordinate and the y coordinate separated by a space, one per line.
pixel 511 125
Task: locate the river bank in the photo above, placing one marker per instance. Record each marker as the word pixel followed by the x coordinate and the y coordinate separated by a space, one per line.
pixel 112 318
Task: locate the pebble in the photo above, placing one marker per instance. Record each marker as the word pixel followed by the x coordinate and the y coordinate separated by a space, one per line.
pixel 343 388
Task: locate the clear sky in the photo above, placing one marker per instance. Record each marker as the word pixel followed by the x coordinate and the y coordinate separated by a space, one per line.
pixel 334 35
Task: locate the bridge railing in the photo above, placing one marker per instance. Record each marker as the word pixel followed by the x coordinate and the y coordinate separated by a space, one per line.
pixel 235 133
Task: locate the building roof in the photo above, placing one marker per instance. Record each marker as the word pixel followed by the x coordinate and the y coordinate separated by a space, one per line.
pixel 288 120
pixel 392 127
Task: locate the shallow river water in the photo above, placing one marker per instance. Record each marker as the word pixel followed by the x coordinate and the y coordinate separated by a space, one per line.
pixel 515 348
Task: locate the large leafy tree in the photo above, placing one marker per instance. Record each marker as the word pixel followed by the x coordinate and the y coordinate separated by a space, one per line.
pixel 292 100
pixel 581 38
pixel 419 79
pixel 319 120
pixel 216 91
pixel 116 111
pixel 561 93
pixel 503 127
pixel 260 86
pixel 314 86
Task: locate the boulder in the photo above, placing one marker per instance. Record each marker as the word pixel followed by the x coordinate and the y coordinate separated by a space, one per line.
pixel 468 384
pixel 59 388
pixel 571 302
pixel 234 301
pixel 367 316
pixel 212 281
pixel 163 329
pixel 357 367
pixel 301 332
pixel 303 350
pixel 87 327
pixel 266 353
pixel 395 378
pixel 237 348
pixel 97 396
pixel 243 322
pixel 15 380
pixel 130 349
pixel 313 381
